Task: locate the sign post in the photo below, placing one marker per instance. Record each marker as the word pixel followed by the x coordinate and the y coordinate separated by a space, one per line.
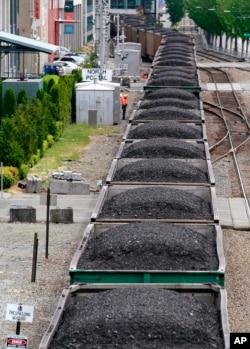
pixel 15 341
pixel 90 74
pixel 18 313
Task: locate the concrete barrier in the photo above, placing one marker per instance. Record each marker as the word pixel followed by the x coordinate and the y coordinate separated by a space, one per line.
pixel 61 215
pixel 34 185
pixel 69 187
pixel 22 214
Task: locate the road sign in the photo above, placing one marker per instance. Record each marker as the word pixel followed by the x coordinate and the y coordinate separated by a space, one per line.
pixel 19 312
pixel 89 74
pixel 247 35
pixel 16 341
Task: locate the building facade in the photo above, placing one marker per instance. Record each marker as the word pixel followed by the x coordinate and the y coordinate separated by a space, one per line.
pixel 66 23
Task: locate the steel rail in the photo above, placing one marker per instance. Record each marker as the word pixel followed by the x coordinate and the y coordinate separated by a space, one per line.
pixel 224 137
pixel 232 148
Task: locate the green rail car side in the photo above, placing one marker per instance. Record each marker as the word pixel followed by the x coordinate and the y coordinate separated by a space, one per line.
pixel 146 276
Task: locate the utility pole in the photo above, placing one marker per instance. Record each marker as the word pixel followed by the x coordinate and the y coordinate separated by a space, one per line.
pixel 101 32
pixel 101 46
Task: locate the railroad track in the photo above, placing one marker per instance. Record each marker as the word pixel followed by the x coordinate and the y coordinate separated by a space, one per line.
pixel 229 130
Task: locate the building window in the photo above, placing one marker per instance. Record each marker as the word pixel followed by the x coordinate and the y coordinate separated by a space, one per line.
pixel 90 23
pixel 90 38
pixel 89 5
pixel 118 4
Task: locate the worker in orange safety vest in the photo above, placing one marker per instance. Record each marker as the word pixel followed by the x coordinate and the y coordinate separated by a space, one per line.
pixel 124 103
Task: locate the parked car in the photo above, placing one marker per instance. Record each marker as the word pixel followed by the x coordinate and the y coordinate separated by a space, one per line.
pixel 60 68
pixel 74 59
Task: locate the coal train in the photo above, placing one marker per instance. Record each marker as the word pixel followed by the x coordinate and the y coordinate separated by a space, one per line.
pixel 149 270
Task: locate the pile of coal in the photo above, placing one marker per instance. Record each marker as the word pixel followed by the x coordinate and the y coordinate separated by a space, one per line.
pixel 160 170
pixel 156 202
pixel 167 113
pixel 170 92
pixel 174 80
pixel 175 102
pixel 175 73
pixel 139 318
pixel 163 148
pixel 150 246
pixel 161 129
pixel 174 62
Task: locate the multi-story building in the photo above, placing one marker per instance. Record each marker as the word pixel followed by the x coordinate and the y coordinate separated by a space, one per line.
pixel 66 23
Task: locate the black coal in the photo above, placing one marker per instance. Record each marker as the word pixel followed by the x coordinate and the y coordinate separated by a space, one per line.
pixel 188 70
pixel 174 73
pixel 139 318
pixel 170 56
pixel 174 62
pixel 163 148
pixel 170 93
pixel 160 170
pixel 166 113
pixel 170 129
pixel 156 202
pixel 174 102
pixel 150 246
pixel 172 81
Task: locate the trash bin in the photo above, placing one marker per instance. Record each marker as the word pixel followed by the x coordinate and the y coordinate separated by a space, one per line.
pixel 47 68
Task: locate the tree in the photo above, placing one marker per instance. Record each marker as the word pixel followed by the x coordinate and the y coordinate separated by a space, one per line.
pixel 11 152
pixel 22 97
pixel 176 10
pixel 9 103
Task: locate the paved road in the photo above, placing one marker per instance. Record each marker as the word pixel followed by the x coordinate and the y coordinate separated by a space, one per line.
pixel 82 205
pixel 232 211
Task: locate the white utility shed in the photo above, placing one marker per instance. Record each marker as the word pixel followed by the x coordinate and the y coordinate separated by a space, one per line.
pixel 99 96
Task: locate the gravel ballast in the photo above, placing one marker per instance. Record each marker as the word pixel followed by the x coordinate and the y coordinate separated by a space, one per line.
pixel 169 129
pixel 139 318
pixel 160 170
pixel 150 246
pixel 156 203
pixel 163 148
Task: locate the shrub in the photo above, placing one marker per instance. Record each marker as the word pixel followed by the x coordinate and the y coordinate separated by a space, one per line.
pixel 14 172
pixel 8 179
pixel 23 171
pixel 34 160
pixel 50 140
pixel 45 146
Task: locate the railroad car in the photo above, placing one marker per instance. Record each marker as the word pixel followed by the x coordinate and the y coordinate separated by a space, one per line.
pixel 123 203
pixel 175 203
pixel 159 319
pixel 118 255
pixel 165 171
pixel 176 129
